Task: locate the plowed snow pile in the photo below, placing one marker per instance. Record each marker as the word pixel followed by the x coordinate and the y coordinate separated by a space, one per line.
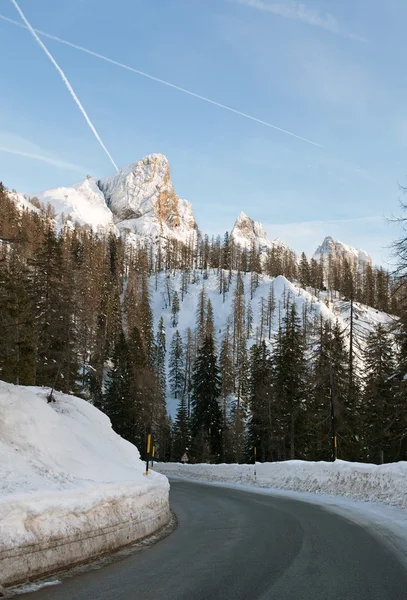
pixel 64 472
pixel 386 484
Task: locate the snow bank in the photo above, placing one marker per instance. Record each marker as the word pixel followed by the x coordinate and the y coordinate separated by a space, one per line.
pixel 70 488
pixel 386 484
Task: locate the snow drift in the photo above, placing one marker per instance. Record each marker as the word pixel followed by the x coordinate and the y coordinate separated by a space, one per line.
pixel 386 484
pixel 70 488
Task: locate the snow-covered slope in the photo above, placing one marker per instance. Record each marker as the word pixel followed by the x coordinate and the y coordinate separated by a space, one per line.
pixel 140 199
pixel 83 202
pixel 143 201
pixel 22 202
pixel 284 290
pixel 246 233
pixel 330 246
pixel 64 472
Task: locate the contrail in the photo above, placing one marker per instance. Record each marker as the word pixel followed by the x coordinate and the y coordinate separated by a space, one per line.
pixel 163 82
pixel 47 159
pixel 65 80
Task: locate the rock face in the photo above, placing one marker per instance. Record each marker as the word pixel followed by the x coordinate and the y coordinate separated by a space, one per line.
pixel 330 246
pixel 143 200
pixel 140 199
pixel 247 232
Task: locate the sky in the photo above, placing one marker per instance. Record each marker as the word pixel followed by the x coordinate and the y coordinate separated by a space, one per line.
pixel 329 73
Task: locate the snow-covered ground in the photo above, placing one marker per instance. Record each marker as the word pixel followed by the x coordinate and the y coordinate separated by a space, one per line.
pixel 65 473
pixel 314 306
pixel 386 484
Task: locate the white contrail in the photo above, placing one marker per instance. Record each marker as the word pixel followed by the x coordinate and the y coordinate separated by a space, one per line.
pixel 56 162
pixel 65 80
pixel 162 81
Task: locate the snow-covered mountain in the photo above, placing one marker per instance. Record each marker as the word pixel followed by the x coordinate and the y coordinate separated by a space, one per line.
pixel 247 232
pixel 140 199
pixel 83 202
pixel 143 200
pixel 330 246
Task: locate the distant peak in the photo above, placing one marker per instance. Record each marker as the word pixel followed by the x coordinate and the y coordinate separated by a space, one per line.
pixel 242 216
pixel 334 247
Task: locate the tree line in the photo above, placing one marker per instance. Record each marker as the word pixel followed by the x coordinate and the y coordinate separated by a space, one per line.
pixel 75 315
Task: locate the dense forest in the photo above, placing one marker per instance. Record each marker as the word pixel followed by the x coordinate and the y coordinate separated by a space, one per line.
pixel 76 316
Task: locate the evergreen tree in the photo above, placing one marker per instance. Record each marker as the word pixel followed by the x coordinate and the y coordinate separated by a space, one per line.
pixel 117 399
pixel 206 422
pixel 177 367
pixel 201 318
pixel 380 420
pixel 260 429
pixel 290 380
pixel 209 325
pixel 175 309
pixel 159 359
pixel 304 271
pixel 181 431
pixel 18 339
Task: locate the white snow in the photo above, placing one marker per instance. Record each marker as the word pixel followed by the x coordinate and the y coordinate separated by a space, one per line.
pixel 83 202
pixel 386 484
pixel 143 201
pixel 63 470
pixel 336 248
pixel 246 233
pixel 366 318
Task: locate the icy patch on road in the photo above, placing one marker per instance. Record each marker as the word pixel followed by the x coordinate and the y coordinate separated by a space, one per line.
pixel 31 587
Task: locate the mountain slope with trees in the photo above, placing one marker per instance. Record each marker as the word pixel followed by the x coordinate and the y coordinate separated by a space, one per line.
pixel 247 346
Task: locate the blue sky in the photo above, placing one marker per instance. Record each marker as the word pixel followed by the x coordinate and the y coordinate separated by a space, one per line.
pixel 328 71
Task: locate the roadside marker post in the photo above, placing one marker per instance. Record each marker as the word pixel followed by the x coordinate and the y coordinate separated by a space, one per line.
pixel 148 451
pixel 152 457
pixel 255 454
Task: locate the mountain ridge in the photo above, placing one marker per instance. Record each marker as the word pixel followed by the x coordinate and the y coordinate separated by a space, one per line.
pixel 140 200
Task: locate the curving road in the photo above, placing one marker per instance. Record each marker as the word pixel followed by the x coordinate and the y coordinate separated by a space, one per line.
pixel 238 545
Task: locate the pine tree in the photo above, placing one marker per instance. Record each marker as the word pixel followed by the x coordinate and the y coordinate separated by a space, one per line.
pixel 318 444
pixel 159 357
pixel 190 356
pixel 206 421
pixel 146 318
pixel 181 431
pixel 260 429
pixel 177 367
pixel 209 323
pixel 381 423
pixel 290 379
pixel 304 271
pixel 117 399
pixel 201 318
pixel 18 339
pixel 175 309
pixel 271 306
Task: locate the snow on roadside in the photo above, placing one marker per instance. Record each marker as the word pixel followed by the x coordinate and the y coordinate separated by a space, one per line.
pixel 64 472
pixel 386 484
pixel 371 496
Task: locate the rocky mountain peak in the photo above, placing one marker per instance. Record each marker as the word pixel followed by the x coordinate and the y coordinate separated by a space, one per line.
pixel 247 232
pixel 332 247
pixel 143 192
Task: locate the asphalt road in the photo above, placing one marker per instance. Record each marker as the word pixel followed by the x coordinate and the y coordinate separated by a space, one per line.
pixel 239 545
